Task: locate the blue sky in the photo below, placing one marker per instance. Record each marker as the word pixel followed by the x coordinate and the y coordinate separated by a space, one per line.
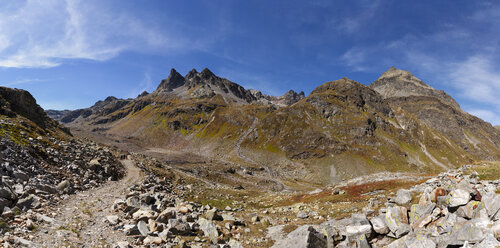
pixel 69 54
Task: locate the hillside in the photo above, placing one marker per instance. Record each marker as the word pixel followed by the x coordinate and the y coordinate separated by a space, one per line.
pixel 341 130
pixel 40 162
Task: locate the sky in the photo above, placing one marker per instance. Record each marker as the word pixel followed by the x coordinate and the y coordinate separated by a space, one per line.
pixel 70 54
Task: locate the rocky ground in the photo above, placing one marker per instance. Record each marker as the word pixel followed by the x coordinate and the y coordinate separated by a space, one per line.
pixel 453 209
pixel 39 169
pixel 73 193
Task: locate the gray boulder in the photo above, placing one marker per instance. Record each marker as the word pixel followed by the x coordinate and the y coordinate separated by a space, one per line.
pixel 359 226
pixel 420 242
pixel 209 229
pixel 379 225
pixel 488 242
pixel 403 197
pixel 458 197
pixel 143 228
pixel 396 218
pixel 29 202
pixel 491 202
pixel 302 237
pixel 213 214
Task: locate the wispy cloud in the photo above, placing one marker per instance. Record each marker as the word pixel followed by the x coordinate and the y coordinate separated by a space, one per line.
pixel 25 81
pixel 490 116
pixel 355 22
pixel 41 34
pixel 146 84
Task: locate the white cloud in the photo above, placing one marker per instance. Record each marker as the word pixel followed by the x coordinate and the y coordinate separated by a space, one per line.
pixel 354 22
pixel 356 58
pixel 45 33
pixel 487 115
pixel 25 81
pixel 477 79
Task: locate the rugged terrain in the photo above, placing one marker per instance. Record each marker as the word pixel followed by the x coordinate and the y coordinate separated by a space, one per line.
pixel 203 162
pixel 341 130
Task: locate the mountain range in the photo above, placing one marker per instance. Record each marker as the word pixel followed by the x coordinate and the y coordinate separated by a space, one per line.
pixel 342 129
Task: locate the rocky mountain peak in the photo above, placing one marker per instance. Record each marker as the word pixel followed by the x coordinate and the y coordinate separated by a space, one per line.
pixel 403 75
pixel 206 73
pixel 173 81
pixel 401 83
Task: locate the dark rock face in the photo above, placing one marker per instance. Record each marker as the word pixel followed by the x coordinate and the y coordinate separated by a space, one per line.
pixel 173 81
pixel 20 102
pixel 346 90
pixel 207 79
pixel 100 108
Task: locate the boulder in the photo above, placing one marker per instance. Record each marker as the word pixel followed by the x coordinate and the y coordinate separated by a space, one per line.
pixel 359 226
pixel 6 193
pixel 302 237
pixel 62 186
pixel 396 218
pixel 420 215
pixel 420 242
pixel 379 225
pixel 112 219
pixel 403 197
pixel 29 202
pixel 491 202
pixel 488 242
pixel 151 240
pixel 468 210
pixel 458 197
pixel 213 214
pixel 209 229
pixel 143 228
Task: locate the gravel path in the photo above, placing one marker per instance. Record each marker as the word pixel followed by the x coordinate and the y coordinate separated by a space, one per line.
pixel 79 220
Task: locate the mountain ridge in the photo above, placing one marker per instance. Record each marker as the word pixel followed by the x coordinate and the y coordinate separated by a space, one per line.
pixel 340 130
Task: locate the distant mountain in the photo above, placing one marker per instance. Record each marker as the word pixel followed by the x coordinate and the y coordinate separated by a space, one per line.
pixel 342 129
pixel 437 110
pixel 56 114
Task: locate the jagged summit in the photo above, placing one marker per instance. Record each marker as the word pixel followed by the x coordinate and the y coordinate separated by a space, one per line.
pixel 173 81
pixel 401 83
pixel 206 84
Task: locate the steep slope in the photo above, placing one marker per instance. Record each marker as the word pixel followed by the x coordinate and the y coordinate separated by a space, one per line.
pixel 342 129
pixel 39 160
pixel 439 111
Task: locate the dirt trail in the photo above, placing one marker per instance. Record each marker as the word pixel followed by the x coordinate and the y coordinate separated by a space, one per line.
pixel 79 220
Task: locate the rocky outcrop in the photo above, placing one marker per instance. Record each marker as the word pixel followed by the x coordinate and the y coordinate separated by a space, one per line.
pixel 287 99
pixel 401 83
pixel 173 81
pixel 14 102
